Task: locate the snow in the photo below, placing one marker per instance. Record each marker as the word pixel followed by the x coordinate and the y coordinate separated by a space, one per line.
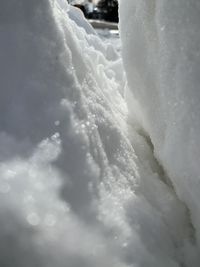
pixel 80 184
pixel 162 58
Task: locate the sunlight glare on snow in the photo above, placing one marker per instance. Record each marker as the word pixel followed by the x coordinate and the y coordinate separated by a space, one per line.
pixel 86 181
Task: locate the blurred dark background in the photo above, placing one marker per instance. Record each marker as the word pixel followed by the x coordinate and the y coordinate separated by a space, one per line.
pixel 98 10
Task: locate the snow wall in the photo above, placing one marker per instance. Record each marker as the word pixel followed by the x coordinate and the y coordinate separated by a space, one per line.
pixel 78 185
pixel 162 59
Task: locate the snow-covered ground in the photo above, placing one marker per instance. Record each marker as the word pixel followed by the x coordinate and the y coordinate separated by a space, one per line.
pixel 110 37
pixel 99 154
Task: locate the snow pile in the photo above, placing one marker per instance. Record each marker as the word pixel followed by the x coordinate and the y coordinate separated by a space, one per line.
pixel 162 59
pixel 74 190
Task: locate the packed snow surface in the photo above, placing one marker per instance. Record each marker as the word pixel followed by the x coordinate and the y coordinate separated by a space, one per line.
pixel 84 180
pixel 162 60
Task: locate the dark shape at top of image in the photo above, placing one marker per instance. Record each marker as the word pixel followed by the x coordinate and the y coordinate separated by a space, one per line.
pixel 104 10
pixel 110 9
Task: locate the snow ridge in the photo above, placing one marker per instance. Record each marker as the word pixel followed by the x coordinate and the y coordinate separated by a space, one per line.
pixel 79 185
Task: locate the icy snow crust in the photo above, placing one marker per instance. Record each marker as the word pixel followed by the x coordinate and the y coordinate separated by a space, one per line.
pixel 80 187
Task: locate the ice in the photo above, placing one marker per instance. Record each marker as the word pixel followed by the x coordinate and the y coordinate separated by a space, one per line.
pixel 80 185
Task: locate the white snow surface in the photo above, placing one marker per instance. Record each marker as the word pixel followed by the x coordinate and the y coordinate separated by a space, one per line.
pixel 161 55
pixel 79 183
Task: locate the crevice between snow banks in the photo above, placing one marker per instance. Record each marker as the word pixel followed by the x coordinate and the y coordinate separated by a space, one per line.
pixel 184 233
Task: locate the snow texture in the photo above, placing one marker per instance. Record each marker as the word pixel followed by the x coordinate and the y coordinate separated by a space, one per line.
pixel 162 60
pixel 79 183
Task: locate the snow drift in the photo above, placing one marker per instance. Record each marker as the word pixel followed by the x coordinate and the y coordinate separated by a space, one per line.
pixel 75 188
pixel 162 58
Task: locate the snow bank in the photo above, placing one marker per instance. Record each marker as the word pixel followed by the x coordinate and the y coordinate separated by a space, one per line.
pixel 74 190
pixel 160 43
pixel 54 108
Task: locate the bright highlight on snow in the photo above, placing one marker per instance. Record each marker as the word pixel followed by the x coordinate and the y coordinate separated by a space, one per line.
pixel 99 153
